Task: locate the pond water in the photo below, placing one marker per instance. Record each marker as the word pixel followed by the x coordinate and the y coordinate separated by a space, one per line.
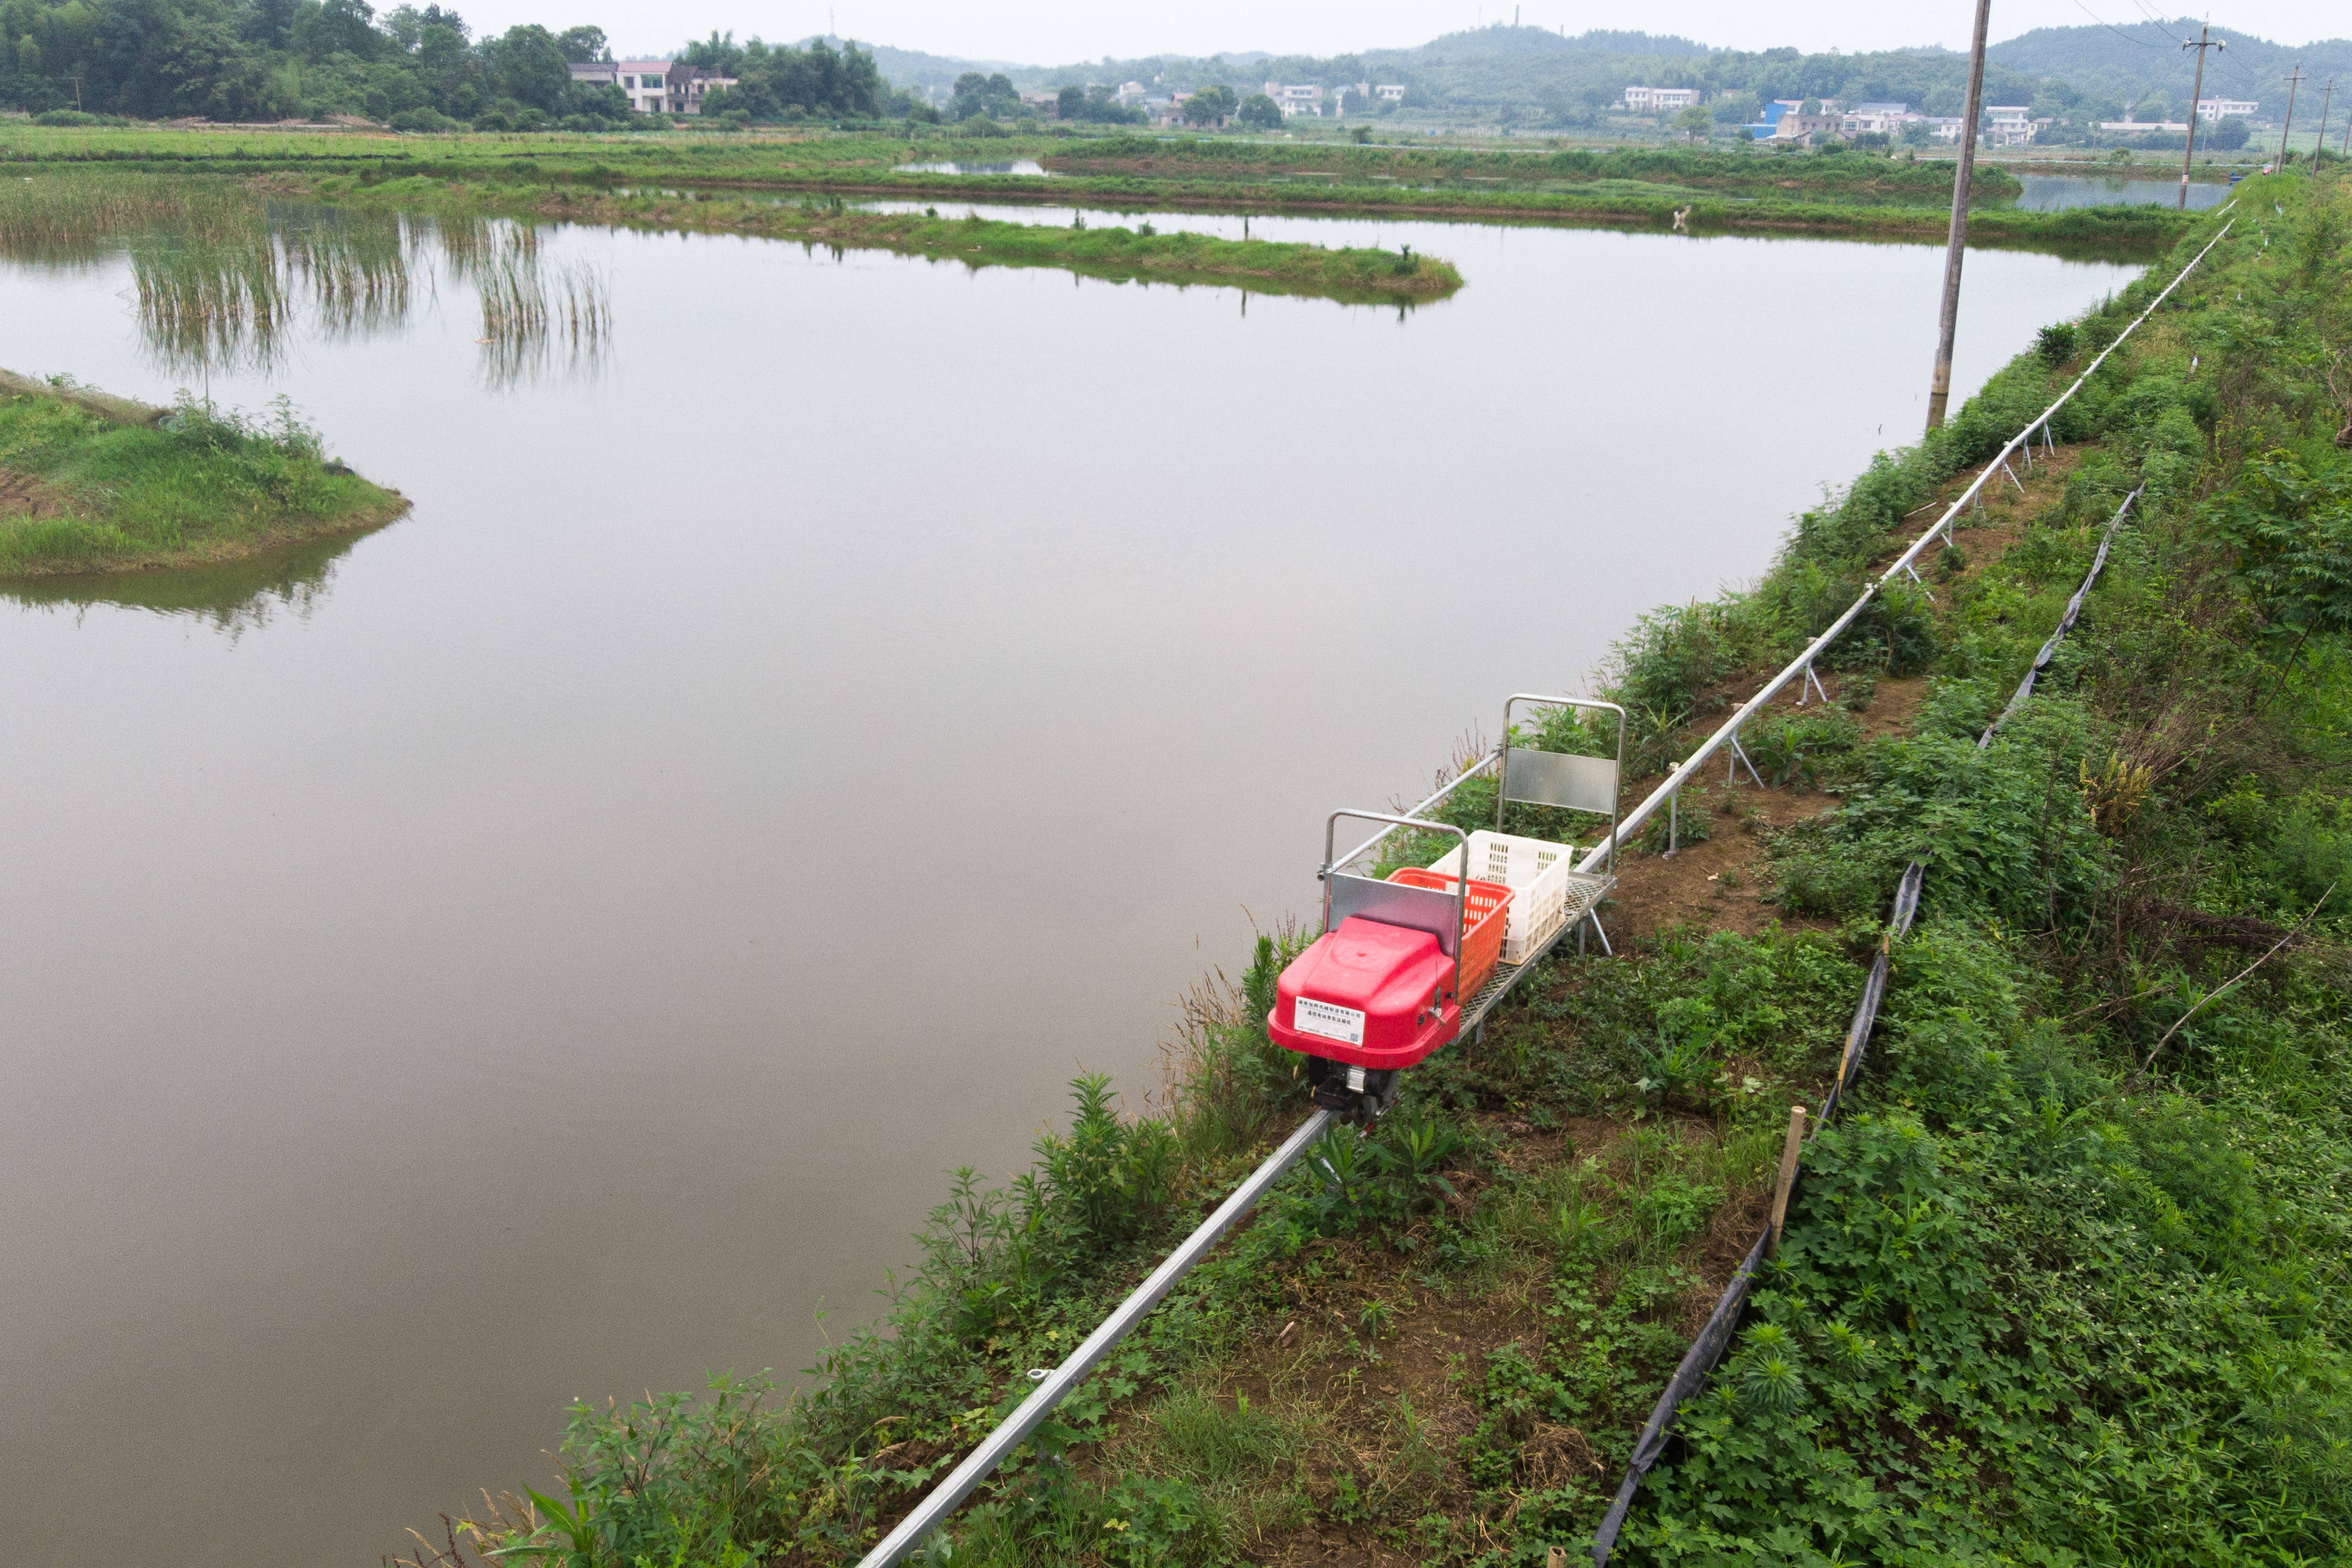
pixel 552 947
pixel 2051 192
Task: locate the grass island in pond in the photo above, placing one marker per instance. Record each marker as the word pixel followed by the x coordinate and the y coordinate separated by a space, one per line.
pixel 90 483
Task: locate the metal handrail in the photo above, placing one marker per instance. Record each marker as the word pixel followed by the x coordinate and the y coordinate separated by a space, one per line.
pixel 944 1499
pixel 1460 886
pixel 1715 742
pixel 1019 1426
pixel 1466 775
pixel 1502 783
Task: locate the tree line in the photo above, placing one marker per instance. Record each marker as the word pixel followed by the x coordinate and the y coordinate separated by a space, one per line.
pixel 413 67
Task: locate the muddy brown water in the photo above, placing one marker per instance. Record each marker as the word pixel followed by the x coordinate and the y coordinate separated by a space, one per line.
pixel 552 946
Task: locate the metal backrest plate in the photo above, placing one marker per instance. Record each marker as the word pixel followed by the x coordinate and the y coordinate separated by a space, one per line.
pixel 1415 909
pixel 1555 778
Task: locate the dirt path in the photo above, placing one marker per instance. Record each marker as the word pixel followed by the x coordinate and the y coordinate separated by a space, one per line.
pixel 1721 884
pixel 21 495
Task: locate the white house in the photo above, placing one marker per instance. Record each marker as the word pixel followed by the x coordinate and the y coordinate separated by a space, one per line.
pixel 1389 92
pixel 2009 125
pixel 2212 110
pixel 1877 119
pixel 647 83
pixel 654 87
pixel 1132 93
pixel 1659 99
pixel 1296 99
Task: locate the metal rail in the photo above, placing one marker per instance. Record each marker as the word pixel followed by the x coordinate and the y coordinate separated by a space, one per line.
pixel 1730 728
pixel 1412 818
pixel 1055 1385
pixel 1017 1427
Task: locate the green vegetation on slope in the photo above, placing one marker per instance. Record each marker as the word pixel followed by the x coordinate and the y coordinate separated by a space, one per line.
pixel 2067 1285
pixel 85 487
pixel 2074 1290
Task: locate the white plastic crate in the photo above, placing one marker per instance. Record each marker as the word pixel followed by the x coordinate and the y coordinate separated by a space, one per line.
pixel 1535 869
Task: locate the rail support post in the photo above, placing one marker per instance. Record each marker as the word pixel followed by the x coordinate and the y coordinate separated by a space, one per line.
pixel 1738 756
pixel 1812 689
pixel 1674 816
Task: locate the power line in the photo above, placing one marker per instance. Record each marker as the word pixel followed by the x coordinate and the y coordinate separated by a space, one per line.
pixel 2156 22
pixel 2110 27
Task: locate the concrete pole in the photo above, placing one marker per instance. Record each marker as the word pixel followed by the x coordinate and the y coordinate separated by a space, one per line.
pixel 2196 96
pixel 2327 102
pixel 2294 81
pixel 1939 391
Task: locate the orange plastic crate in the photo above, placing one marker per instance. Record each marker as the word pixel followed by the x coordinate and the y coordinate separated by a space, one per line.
pixel 1487 915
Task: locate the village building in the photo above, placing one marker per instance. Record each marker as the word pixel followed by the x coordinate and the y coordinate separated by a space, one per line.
pixel 2213 110
pixel 654 87
pixel 1877 119
pixel 1659 99
pixel 1297 99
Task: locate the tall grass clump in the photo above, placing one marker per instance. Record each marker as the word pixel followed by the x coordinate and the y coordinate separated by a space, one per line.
pixel 67 214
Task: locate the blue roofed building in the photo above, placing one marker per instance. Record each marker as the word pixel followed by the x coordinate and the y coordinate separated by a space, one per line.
pixel 1767 126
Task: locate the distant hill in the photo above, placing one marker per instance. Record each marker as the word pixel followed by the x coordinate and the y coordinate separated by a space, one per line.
pixel 912 67
pixel 2131 59
pixel 1531 73
pixel 1503 40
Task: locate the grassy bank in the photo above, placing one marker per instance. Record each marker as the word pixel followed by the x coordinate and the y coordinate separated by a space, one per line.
pixel 95 484
pixel 1843 195
pixel 2069 1282
pixel 1356 275
pixel 201 240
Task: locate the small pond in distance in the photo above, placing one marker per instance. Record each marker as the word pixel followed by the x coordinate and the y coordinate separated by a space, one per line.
pixel 2052 192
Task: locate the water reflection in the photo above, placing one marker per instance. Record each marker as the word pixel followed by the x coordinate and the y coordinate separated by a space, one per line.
pixel 537 314
pixel 233 598
pixel 223 285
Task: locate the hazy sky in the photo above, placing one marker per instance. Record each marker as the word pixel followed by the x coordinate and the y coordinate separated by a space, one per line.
pixel 1056 31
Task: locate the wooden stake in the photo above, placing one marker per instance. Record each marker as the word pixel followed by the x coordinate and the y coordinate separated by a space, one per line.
pixel 1788 1153
pixel 1558 1558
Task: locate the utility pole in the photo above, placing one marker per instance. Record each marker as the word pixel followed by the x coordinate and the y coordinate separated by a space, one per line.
pixel 1940 389
pixel 2320 146
pixel 2196 97
pixel 2293 79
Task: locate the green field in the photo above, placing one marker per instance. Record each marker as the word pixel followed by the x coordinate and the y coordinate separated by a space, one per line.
pixel 1847 193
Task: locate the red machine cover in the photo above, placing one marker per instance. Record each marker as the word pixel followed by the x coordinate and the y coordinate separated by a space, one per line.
pixel 1373 995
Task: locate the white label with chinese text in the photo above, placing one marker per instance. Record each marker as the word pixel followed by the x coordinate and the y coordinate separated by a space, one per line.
pixel 1344 1025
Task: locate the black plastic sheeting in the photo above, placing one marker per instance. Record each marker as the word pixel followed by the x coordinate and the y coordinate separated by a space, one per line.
pixel 1698 1361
